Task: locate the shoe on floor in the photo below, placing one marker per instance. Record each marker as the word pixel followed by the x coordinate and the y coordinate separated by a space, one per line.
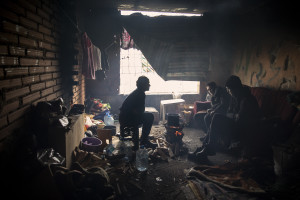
pixel 148 144
pixel 206 151
pixel 192 155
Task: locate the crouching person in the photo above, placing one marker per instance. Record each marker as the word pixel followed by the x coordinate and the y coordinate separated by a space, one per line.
pixel 133 115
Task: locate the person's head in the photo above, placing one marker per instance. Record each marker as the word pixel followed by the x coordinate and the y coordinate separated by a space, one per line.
pixel 143 83
pixel 210 87
pixel 233 85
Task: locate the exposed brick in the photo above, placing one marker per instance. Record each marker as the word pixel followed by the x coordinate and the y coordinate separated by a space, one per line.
pixel 14 7
pixel 37 86
pixel 35 34
pixel 43 14
pixel 55 62
pixel 27 5
pixel 9 60
pixel 44 62
pixel 8 26
pixel 35 53
pixel 45 30
pixel 34 17
pixel 57 87
pixel 39 100
pixel 54 48
pixel 47 23
pixel 16 93
pixel 29 61
pixel 50 83
pixel 56 75
pixel 49 39
pixel 9 15
pixel 11 128
pixel 46 76
pixel 1 73
pixel 9 107
pixel 28 23
pixel 50 55
pixel 55 34
pixel 51 97
pixel 47 9
pixel 18 114
pixel 3 49
pixel 51 69
pixel 3 121
pixel 36 2
pixel 59 93
pixel 47 91
pixel 28 42
pixel 58 81
pixel 8 83
pixel 45 45
pixel 16 71
pixel 8 38
pixel 29 98
pixel 36 70
pixel 16 51
pixel 30 79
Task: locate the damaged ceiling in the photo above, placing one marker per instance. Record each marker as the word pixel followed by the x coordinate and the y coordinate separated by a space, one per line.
pixel 183 6
pixel 176 50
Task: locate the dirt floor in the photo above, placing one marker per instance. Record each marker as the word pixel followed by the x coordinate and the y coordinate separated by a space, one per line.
pixel 164 179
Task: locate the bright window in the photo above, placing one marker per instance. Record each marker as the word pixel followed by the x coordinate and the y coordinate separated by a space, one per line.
pixel 133 64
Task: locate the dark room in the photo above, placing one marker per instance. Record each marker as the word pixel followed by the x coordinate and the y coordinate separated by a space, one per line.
pixel 150 99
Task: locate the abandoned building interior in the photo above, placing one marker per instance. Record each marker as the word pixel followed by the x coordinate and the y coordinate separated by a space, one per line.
pixel 68 65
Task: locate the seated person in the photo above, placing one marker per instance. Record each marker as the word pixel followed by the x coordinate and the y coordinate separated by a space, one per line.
pixel 200 108
pixel 132 114
pixel 219 104
pixel 242 117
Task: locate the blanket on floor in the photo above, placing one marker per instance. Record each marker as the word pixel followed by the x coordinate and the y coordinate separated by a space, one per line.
pixel 228 180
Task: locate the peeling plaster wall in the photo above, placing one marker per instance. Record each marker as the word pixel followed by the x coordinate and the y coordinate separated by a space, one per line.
pixel 269 58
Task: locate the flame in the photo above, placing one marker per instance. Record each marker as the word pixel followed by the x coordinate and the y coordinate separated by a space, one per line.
pixel 178 133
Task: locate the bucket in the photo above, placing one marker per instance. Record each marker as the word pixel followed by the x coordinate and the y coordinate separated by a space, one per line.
pixel 105 135
pixel 113 129
pixel 91 144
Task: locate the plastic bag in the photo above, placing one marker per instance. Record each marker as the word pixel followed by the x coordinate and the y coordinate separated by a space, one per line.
pixel 49 156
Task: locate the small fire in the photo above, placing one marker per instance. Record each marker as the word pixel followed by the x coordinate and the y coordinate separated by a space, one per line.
pixel 178 133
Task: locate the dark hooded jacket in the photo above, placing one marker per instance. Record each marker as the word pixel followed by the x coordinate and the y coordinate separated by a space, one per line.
pixel 245 108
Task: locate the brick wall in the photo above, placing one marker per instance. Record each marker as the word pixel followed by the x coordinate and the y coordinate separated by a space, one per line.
pixel 30 63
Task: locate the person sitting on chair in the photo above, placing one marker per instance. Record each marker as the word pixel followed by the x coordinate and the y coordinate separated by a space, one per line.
pixel 238 123
pixel 219 104
pixel 132 114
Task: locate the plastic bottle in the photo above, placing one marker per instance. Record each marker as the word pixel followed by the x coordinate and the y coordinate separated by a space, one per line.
pixel 141 161
pixel 108 120
pixel 128 151
pixel 108 150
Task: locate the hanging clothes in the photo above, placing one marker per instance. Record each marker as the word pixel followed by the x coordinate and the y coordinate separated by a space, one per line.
pixel 91 58
pixel 97 57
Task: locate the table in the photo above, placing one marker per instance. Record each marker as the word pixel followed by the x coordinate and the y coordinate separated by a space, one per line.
pixel 173 106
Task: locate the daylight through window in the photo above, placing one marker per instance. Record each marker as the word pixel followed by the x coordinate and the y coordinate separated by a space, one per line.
pixel 133 64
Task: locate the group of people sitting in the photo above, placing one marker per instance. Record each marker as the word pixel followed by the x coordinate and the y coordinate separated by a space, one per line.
pixel 234 114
